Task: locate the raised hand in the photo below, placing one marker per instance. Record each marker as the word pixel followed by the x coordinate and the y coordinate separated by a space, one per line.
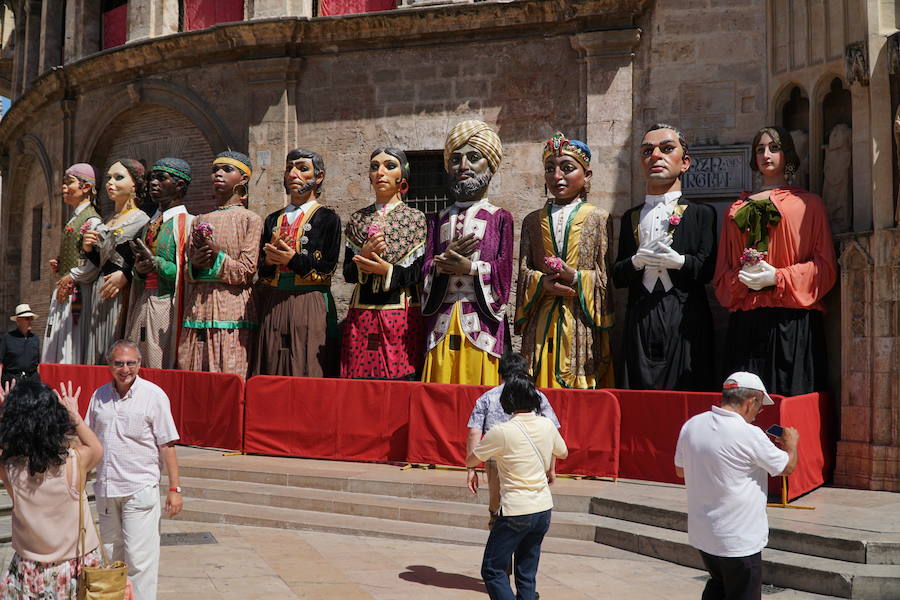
pixel 465 245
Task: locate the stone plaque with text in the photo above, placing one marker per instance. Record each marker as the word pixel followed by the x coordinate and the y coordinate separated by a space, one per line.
pixel 717 171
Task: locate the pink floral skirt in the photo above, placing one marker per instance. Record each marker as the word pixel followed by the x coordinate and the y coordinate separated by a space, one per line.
pixel 382 344
pixel 32 580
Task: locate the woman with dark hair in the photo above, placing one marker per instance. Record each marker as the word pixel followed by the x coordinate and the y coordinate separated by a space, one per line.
pixel 111 260
pixel 775 264
pixel 62 336
pixel 44 476
pixel 523 448
pixel 383 336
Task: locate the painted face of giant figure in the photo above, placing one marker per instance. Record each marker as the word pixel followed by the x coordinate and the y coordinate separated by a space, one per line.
pixel 385 174
pixel 74 191
pixel 302 174
pixel 120 186
pixel 663 159
pixel 165 189
pixel 567 172
pixel 224 179
pixel 472 154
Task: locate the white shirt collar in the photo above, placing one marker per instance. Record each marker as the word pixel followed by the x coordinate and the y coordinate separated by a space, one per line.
pixel 726 413
pixel 668 197
pixel 173 211
pixel 84 204
pixel 291 207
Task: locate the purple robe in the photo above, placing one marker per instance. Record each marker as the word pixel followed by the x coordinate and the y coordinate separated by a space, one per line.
pixel 482 297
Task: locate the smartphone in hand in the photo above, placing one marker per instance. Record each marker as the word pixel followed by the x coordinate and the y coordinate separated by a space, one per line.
pixel 776 431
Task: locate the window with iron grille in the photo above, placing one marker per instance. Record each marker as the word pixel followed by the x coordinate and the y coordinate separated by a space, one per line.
pixel 427 185
pixel 37 222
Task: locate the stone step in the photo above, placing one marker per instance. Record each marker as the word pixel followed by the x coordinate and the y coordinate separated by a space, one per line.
pixel 824 541
pixel 661 505
pixel 268 505
pixel 843 579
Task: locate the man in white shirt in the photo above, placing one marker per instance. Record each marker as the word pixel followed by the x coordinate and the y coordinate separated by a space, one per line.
pixel 667 255
pixel 724 461
pixel 133 420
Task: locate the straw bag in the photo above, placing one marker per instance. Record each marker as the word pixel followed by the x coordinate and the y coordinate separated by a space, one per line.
pixel 98 583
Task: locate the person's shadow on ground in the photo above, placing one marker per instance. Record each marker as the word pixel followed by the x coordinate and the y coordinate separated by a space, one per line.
pixel 430 576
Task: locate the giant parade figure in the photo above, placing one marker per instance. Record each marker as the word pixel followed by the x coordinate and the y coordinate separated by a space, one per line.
pixel 563 307
pixel 70 304
pixel 301 246
pixel 219 313
pixel 157 291
pixel 468 266
pixel 382 335
pixel 111 259
pixel 667 249
pixel 775 264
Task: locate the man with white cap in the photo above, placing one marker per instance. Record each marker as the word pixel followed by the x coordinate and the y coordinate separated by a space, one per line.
pixel 20 350
pixel 724 461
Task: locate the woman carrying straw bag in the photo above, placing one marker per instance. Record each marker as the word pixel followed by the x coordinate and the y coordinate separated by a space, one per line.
pixel 43 473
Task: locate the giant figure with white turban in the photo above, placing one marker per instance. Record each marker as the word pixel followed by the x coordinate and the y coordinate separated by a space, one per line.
pixel 468 265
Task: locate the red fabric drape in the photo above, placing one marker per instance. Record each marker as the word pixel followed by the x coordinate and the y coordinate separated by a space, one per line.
pixel 591 422
pixel 340 419
pixel 813 416
pixel 199 14
pixel 346 7
pixel 115 26
pixel 437 423
pixel 208 408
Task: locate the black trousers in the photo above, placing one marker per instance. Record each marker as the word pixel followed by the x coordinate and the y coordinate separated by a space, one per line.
pixel 737 578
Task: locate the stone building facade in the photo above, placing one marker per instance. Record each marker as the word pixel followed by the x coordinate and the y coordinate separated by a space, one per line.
pixel 599 70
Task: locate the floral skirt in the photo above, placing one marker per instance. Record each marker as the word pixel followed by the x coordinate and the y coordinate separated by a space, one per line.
pixel 32 580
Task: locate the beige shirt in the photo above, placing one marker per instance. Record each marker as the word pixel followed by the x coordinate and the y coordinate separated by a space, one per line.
pixel 45 512
pixel 523 471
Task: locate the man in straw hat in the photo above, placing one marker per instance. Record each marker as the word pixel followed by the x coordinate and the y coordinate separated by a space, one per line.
pixel 468 265
pixel 20 350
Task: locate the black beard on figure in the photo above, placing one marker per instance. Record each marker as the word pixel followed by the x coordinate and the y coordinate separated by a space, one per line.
pixel 463 190
pixel 304 188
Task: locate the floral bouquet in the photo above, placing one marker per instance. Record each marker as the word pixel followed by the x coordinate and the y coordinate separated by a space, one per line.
pixel 204 229
pixel 373 230
pixel 674 219
pixel 554 263
pixel 85 228
pixel 751 257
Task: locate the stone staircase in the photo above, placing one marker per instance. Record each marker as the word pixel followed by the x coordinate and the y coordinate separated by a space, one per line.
pixel 641 517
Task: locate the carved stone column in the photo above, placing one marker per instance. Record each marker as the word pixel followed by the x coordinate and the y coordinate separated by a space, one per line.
pixel 262 9
pixel 272 125
pixel 607 62
pixel 82 29
pixel 151 18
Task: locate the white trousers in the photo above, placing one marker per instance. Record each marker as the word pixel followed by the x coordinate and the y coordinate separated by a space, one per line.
pixel 129 526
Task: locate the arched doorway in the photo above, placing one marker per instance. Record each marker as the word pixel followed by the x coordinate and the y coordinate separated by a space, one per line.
pixel 148 132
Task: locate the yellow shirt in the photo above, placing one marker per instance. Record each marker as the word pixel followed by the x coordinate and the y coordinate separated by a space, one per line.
pixel 523 474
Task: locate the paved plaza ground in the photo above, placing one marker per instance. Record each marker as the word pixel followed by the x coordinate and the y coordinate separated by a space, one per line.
pixel 251 563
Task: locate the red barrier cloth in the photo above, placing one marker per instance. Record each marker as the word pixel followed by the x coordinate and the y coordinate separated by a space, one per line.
pixel 115 26
pixel 813 416
pixel 346 7
pixel 438 416
pixel 199 14
pixel 591 422
pixel 339 419
pixel 208 408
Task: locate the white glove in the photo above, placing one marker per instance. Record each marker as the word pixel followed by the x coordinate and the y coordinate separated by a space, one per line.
pixel 666 258
pixel 643 258
pixel 761 275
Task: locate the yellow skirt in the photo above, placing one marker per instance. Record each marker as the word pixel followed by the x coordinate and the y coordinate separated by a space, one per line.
pixel 469 365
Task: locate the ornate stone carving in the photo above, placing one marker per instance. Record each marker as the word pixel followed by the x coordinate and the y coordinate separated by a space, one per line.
pixel 836 184
pixel 857 63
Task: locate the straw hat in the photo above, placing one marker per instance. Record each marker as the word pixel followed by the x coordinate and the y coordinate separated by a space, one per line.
pixel 22 310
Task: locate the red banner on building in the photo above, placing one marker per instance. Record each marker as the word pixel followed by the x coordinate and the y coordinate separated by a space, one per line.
pixel 347 7
pixel 115 26
pixel 199 14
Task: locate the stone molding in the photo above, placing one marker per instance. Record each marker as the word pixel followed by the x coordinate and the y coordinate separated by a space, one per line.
pixel 302 36
pixel 606 43
pixel 857 63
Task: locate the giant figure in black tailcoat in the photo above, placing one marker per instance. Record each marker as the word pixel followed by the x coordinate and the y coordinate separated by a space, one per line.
pixel 667 250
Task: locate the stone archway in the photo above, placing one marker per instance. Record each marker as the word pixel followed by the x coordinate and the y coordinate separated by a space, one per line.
pixel 147 132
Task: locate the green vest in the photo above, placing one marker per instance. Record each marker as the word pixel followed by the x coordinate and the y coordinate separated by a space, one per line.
pixel 70 242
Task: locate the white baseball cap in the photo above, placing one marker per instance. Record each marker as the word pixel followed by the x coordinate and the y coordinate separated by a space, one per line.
pixel 751 381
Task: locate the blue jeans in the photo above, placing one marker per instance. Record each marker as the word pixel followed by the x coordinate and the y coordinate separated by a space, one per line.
pixel 520 536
